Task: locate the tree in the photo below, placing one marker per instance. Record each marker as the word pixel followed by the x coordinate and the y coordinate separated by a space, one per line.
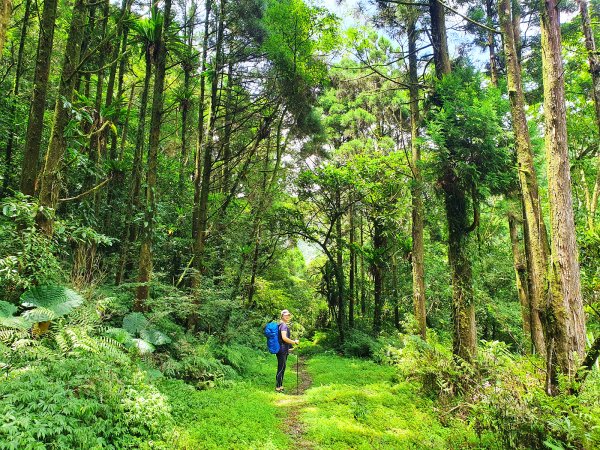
pixel 50 182
pixel 537 250
pixel 35 124
pixel 5 11
pixel 565 318
pixel 145 263
pixel 470 163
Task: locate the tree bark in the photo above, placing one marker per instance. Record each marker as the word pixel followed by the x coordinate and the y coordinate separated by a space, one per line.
pixel 418 247
pixel 352 272
pixel 207 156
pixel 489 8
pixel 339 267
pixel 201 120
pixel 5 12
pixel 50 176
pixel 35 125
pixel 8 169
pixel 145 265
pixel 565 318
pixel 520 267
pixel 134 204
pixel 441 57
pixel 537 239
pixel 377 272
pixel 463 308
pixel 464 342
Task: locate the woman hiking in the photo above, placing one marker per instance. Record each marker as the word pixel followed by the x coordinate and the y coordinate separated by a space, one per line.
pixel 285 343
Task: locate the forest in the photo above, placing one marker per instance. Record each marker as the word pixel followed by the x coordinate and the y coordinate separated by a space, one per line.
pixel 416 181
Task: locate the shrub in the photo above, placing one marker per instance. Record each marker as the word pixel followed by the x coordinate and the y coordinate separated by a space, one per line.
pixel 359 344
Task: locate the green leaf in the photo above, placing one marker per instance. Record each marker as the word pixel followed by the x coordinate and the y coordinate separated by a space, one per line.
pixel 154 336
pixel 120 335
pixel 135 322
pixel 143 346
pixel 7 309
pixel 51 300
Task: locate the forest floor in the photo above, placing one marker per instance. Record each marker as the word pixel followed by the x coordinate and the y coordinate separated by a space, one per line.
pixel 341 403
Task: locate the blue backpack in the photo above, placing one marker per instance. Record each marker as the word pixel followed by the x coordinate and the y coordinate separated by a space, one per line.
pixel 272 334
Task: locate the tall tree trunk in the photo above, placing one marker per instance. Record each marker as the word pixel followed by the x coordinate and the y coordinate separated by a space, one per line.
pixel 8 169
pixel 201 120
pixel 566 318
pixel 594 63
pixel 363 280
pixel 520 267
pixel 418 247
pixel 5 12
pixel 377 272
pixel 339 268
pixel 463 305
pixel 50 176
pixel 186 101
pixel 207 157
pixel 145 265
pixel 257 228
pixel 489 8
pixel 441 57
pixel 134 204
pixel 35 125
pixel 537 239
pixel 352 271
pixel 117 62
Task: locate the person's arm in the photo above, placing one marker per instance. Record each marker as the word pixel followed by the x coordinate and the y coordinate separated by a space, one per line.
pixel 287 340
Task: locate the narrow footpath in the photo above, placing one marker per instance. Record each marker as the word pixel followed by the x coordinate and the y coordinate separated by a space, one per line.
pixel 294 401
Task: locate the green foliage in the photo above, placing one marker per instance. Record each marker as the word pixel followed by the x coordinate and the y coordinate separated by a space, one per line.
pixel 27 256
pixel 76 403
pixel 359 344
pixel 467 133
pixel 49 302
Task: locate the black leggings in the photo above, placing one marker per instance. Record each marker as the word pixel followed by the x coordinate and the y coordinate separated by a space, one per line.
pixel 281 361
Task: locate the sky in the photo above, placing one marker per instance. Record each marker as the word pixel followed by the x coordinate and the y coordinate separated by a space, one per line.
pixel 356 12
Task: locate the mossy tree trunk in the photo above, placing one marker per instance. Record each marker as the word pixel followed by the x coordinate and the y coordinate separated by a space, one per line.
pixel 35 124
pixel 50 180
pixel 418 213
pixel 145 262
pixel 456 205
pixel 537 240
pixel 564 318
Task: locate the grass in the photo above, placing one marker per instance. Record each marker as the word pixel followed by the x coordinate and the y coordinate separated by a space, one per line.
pixel 355 404
pixel 239 414
pixel 352 404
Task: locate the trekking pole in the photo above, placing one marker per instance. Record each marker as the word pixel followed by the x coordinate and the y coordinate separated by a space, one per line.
pixel 297 363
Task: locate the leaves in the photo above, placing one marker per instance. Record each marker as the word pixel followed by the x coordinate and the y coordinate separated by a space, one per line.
pixel 134 322
pixel 49 302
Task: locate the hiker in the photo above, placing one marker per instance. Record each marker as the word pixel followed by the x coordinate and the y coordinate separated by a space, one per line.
pixel 285 344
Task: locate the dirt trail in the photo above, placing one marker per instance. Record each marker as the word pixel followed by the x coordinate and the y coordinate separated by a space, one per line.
pixel 293 402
